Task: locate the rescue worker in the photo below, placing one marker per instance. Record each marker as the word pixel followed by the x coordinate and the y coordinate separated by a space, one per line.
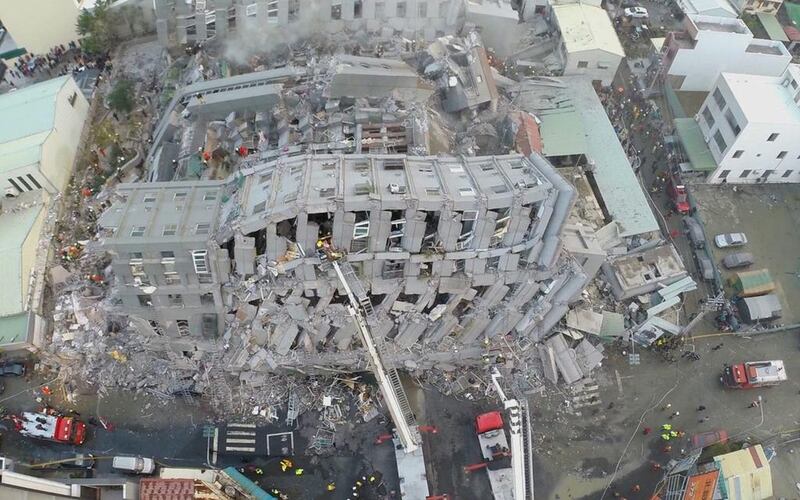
pixel 372 478
pixel 667 449
pixel 259 471
pixel 665 436
pixel 331 486
pixel 673 434
pixel 359 484
pixel 286 464
pixel 667 427
pixel 298 472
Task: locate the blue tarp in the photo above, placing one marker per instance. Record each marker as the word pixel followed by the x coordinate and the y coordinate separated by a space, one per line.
pixel 248 485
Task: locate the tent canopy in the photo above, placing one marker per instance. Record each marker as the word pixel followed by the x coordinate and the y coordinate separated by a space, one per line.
pixel 752 283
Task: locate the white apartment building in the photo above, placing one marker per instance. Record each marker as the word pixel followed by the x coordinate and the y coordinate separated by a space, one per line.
pixel 718 8
pixel 694 59
pixel 752 126
pixel 588 42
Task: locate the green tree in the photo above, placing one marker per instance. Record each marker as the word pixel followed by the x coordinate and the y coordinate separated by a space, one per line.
pixel 121 96
pixel 97 27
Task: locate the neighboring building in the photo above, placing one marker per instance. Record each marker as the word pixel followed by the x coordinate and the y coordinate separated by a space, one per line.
pixel 39 25
pixel 499 23
pixel 588 42
pixel 754 6
pixel 411 17
pixel 752 126
pixel 645 271
pixel 21 222
pixel 744 474
pixel 168 269
pixel 711 8
pixel 39 135
pixel 576 132
pixel 377 77
pixel 693 59
pixel 581 242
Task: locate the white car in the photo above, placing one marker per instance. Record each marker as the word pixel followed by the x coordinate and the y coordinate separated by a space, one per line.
pixel 136 465
pixel 730 240
pixel 636 12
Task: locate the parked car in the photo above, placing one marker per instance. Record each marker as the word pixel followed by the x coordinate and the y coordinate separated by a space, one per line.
pixel 737 260
pixel 728 240
pixel 694 232
pixel 636 12
pixel 704 265
pixel 12 369
pixel 136 465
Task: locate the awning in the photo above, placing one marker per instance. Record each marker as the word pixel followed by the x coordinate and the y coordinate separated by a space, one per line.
pixel 694 145
pixel 792 33
pixel 11 54
pixel 658 44
pixel 772 26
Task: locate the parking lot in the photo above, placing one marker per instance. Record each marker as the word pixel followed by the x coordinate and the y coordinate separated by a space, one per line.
pixel 770 216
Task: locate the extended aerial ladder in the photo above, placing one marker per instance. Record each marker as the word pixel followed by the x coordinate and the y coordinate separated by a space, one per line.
pixel 360 309
pixel 521 452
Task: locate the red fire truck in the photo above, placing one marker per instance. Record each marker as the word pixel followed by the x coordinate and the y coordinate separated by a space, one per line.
pixel 60 429
pixel 677 193
pixel 754 374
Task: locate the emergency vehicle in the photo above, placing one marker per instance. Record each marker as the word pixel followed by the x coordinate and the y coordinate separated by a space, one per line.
pixel 753 374
pixel 60 429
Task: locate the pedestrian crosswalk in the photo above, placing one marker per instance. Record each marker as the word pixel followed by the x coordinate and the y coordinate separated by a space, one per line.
pixel 239 438
pixel 583 397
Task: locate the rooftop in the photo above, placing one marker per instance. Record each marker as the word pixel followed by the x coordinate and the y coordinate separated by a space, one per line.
pixel 568 107
pixel 587 27
pixel 17 220
pixel 764 99
pixel 712 7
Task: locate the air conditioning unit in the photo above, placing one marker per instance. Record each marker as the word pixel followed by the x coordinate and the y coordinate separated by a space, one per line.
pixel 11 193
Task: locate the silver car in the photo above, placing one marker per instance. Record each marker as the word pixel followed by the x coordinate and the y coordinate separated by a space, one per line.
pixel 728 240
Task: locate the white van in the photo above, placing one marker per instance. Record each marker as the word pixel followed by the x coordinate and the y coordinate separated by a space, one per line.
pixel 136 465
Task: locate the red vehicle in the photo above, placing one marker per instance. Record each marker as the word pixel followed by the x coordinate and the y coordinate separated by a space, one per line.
pixel 708 438
pixel 677 193
pixel 754 374
pixel 67 430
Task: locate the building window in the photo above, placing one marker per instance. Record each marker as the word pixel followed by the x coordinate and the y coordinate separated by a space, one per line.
pixel 782 155
pixel 720 141
pixel 149 198
pixel 358 9
pixel 708 117
pixel 16 186
pixel 135 255
pixel 179 196
pixel 294 10
pixel 786 174
pixel 772 137
pixel 466 191
pixel 199 261
pixel 724 174
pixel 732 122
pixel 145 300
pixel 72 99
pixel 183 327
pixel 336 9
pixel 169 230
pixel 167 255
pixel 202 228
pixel 272 12
pixel 175 299
pixel 738 153
pixel 422 10
pixel 361 230
pixel 207 299
pixel 210 196
pixel 583 64
pixel 33 181
pixel 172 278
pixel 401 9
pixel 744 174
pixel 380 10
pixel 251 10
pixel 719 99
pixel 392 269
pixel 210 325
pixel 137 231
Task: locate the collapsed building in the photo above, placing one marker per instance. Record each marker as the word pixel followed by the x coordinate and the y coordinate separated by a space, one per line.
pixel 450 253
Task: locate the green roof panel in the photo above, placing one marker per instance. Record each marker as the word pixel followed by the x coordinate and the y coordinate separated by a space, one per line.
pixel 772 26
pixel 695 146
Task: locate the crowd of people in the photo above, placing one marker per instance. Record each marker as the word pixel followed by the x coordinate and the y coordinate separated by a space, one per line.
pixel 60 60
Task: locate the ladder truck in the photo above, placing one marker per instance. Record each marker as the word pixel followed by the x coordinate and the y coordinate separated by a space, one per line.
pixel 410 459
pixel 516 484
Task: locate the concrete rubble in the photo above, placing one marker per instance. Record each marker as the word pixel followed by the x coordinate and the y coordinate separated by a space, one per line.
pixel 289 345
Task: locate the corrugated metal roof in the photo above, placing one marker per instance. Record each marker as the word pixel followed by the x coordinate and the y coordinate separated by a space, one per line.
pixel 30 110
pixel 22 152
pixel 14 329
pixel 14 230
pixel 746 474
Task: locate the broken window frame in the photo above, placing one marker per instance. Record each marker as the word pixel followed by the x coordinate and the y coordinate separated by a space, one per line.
pixel 361 230
pixel 183 327
pixel 175 300
pixel 200 261
pixel 145 300
pixel 272 11
pixel 336 10
pixel 393 269
pixel 501 226
pixel 140 277
pixel 468 219
pixel 169 230
pixel 202 228
pixel 138 231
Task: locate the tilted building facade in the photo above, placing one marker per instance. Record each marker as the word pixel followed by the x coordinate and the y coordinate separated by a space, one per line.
pixel 451 251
